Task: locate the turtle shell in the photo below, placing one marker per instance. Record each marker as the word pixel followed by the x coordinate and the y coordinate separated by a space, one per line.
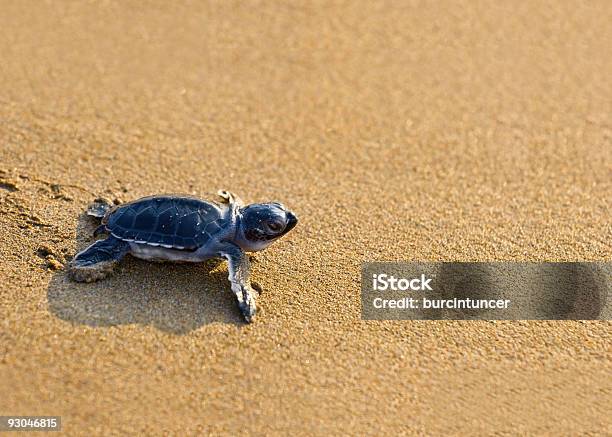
pixel 178 222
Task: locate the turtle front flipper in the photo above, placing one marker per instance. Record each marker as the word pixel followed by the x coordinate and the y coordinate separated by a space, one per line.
pixel 238 267
pixel 231 198
pixel 98 260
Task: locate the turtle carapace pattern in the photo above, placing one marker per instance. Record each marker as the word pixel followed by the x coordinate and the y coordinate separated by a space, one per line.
pixel 178 222
pixel 184 228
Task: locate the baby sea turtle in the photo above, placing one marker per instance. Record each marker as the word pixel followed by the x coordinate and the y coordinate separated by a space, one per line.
pixel 184 228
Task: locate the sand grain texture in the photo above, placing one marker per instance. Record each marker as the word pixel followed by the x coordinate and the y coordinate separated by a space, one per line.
pixel 466 130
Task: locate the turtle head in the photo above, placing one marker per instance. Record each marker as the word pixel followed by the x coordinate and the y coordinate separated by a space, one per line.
pixel 261 224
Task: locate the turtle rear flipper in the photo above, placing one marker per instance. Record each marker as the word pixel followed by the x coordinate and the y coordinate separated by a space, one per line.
pixel 100 230
pixel 98 260
pixel 99 208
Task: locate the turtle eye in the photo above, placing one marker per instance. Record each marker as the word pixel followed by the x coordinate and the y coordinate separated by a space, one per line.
pixel 275 226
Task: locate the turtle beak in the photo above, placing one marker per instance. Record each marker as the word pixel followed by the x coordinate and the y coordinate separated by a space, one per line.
pixel 292 220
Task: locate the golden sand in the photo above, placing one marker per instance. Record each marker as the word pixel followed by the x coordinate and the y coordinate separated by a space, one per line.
pixel 403 130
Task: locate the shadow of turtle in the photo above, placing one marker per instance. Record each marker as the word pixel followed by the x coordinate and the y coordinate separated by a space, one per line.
pixel 175 298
